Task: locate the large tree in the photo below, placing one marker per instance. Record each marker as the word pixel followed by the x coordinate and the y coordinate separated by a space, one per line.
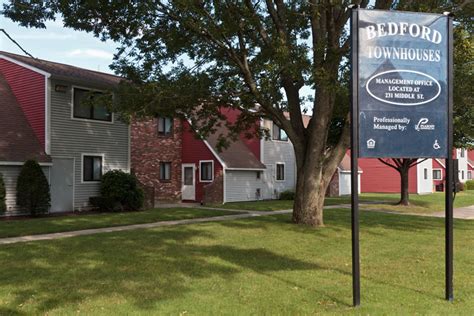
pixel 190 57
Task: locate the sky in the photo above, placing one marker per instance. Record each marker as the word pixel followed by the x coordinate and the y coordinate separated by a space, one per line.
pixel 59 44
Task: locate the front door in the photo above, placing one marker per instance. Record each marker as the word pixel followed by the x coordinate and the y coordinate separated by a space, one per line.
pixel 62 185
pixel 188 189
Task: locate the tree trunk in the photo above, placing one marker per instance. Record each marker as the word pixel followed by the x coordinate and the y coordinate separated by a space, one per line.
pixel 404 196
pixel 311 186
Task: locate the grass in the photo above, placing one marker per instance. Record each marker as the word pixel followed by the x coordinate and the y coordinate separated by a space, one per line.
pixel 14 228
pixel 419 203
pixel 258 266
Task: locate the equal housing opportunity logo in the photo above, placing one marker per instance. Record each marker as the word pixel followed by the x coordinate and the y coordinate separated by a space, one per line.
pixel 423 125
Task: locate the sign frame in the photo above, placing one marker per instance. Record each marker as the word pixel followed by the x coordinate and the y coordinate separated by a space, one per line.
pixel 355 146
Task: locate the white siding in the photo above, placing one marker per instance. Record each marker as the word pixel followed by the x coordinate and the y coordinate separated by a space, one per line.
pixel 345 183
pixel 10 176
pixel 70 138
pixel 242 185
pixel 277 152
pixel 424 186
pixel 462 165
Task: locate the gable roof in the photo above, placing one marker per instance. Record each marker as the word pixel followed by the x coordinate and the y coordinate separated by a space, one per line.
pixel 66 72
pixel 237 155
pixel 18 142
pixel 470 162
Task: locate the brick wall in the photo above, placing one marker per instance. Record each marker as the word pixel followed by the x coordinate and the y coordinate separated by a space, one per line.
pixel 148 149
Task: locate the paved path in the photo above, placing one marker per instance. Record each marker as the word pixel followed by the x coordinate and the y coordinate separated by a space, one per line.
pixel 461 213
pixel 248 214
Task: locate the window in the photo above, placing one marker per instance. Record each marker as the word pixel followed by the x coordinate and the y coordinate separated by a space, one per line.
pixel 258 175
pixel 206 171
pixel 85 107
pixel 425 174
pixel 462 152
pixel 462 175
pixel 165 126
pixel 91 168
pixel 165 171
pixel 437 174
pixel 279 134
pixel 469 175
pixel 280 172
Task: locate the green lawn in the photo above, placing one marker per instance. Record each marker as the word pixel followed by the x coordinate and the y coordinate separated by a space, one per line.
pixel 420 203
pixel 258 266
pixel 13 228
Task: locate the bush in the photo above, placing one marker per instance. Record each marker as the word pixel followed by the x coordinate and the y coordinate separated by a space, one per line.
pixel 459 187
pixel 105 204
pixel 121 191
pixel 287 195
pixel 469 185
pixel 32 189
pixel 3 195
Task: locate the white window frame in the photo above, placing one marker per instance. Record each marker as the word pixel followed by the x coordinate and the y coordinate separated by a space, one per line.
pixel 276 171
pixel 200 168
pixel 84 119
pixel 278 140
pixel 440 172
pixel 469 175
pixel 82 166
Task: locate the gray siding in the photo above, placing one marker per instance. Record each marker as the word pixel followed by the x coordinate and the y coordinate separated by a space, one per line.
pixel 278 152
pixel 10 175
pixel 71 138
pixel 243 185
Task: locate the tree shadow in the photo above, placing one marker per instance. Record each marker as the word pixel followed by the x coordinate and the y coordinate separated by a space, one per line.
pixel 143 268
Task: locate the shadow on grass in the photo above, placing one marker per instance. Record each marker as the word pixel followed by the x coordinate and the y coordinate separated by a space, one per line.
pixel 142 269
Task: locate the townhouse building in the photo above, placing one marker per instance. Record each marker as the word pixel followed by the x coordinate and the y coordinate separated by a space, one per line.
pixel 46 119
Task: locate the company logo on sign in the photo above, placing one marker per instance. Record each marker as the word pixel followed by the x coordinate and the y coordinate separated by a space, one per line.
pixel 423 125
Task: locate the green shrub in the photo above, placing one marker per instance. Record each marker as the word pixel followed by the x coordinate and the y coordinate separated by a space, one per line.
pixel 469 185
pixel 32 189
pixel 287 195
pixel 3 195
pixel 460 187
pixel 104 204
pixel 121 188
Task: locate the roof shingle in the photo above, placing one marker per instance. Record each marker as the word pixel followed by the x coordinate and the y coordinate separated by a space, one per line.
pixel 68 72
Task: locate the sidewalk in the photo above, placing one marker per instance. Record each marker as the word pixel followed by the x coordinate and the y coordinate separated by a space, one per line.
pixel 248 214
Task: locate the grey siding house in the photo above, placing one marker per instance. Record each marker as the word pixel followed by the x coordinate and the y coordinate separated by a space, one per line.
pixel 77 141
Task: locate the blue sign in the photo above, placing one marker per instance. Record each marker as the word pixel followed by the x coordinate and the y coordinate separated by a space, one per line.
pixel 403 84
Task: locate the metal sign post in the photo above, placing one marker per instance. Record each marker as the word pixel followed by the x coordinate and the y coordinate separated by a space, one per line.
pixel 401 102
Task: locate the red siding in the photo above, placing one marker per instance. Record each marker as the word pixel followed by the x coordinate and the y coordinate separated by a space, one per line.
pixel 29 89
pixel 252 143
pixel 194 150
pixel 379 178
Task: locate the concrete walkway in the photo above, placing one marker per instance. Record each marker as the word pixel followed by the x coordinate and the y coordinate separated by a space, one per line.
pixel 248 214
pixel 461 213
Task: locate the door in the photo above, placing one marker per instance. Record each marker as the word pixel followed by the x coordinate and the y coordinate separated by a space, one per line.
pixel 188 189
pixel 62 185
pixel 268 180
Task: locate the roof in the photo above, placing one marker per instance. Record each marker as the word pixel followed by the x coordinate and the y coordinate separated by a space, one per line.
pixel 237 155
pixel 345 164
pixel 18 142
pixel 67 72
pixel 470 162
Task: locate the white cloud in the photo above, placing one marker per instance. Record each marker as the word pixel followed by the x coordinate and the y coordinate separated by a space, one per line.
pixel 88 53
